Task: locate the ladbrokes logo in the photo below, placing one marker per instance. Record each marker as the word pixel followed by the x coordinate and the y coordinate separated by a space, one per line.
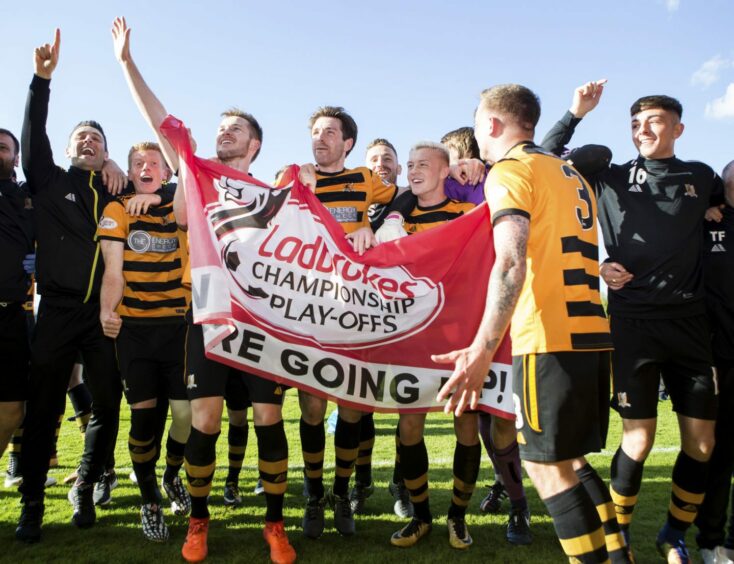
pixel 292 277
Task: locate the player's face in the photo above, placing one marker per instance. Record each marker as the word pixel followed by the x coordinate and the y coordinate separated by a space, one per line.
pixel 8 156
pixel 86 148
pixel 383 161
pixel 233 138
pixel 654 132
pixel 147 171
pixel 426 171
pixel 483 134
pixel 329 147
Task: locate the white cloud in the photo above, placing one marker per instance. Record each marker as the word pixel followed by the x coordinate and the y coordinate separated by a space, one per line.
pixel 708 73
pixel 672 5
pixel 722 108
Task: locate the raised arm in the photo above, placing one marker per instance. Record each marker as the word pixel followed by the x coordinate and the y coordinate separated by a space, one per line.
pixel 585 98
pixel 148 104
pixel 38 162
pixel 471 365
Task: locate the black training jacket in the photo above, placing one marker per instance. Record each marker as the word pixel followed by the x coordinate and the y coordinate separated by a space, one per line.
pixel 68 204
pixel 16 240
pixel 718 263
pixel 651 213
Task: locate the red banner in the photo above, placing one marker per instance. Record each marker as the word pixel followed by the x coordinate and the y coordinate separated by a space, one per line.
pixel 281 293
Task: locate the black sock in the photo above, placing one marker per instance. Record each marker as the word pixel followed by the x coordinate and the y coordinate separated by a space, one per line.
pixel 466 470
pixel 237 441
pixel 397 473
pixel 272 447
pixel 200 459
pixel 313 441
pixel 414 463
pixel 577 525
pixel 363 466
pixel 142 446
pixel 625 486
pixel 174 458
pixel 81 401
pixel 601 498
pixel 689 487
pixel 346 447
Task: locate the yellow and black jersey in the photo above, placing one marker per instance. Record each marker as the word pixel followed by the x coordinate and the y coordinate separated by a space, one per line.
pixel 349 194
pixel 559 308
pixel 154 258
pixel 422 218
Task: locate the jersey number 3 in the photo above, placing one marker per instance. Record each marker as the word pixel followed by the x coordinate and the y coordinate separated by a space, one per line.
pixel 583 213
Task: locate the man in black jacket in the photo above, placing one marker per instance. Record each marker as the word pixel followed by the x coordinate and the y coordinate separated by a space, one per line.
pixel 651 212
pixel 16 243
pixel 718 263
pixel 68 205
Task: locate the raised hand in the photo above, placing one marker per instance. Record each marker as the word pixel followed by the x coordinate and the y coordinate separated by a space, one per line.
pixel 121 39
pixel 586 97
pixel 46 57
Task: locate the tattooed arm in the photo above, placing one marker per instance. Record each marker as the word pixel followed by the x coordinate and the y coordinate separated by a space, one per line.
pixel 471 365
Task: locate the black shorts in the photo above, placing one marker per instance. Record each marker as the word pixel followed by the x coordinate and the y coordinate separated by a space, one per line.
pixel 14 352
pixel 678 350
pixel 207 378
pixel 561 404
pixel 150 357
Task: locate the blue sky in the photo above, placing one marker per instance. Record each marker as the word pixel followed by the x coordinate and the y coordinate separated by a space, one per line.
pixel 405 70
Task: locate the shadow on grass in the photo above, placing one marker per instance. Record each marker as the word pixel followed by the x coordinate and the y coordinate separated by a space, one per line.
pixel 235 534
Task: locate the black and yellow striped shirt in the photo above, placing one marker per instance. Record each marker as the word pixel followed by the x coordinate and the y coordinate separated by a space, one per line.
pixel 559 308
pixel 349 194
pixel 422 218
pixel 153 261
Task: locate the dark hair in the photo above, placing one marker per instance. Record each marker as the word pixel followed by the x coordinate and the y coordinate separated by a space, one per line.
pixel 349 126
pixel 255 130
pixel 658 101
pixel 13 137
pixel 91 123
pixel 463 141
pixel 384 142
pixel 515 101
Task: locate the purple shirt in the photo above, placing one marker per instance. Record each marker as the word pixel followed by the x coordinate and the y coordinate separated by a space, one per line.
pixel 472 193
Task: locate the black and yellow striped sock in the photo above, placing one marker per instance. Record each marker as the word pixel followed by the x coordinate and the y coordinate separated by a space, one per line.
pixel 81 401
pixel 272 448
pixel 143 450
pixel 346 447
pixel 16 442
pixel 625 487
pixel 363 466
pixel 237 441
pixel 578 525
pixel 174 458
pixel 313 442
pixel 397 473
pixel 414 464
pixel 599 494
pixel 200 460
pixel 466 471
pixel 689 487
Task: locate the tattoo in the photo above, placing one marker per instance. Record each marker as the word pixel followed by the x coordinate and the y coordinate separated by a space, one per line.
pixel 507 278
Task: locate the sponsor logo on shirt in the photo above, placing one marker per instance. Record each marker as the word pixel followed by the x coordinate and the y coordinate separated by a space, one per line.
pixel 346 214
pixel 71 197
pixel 144 242
pixel 107 223
pixel 635 188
